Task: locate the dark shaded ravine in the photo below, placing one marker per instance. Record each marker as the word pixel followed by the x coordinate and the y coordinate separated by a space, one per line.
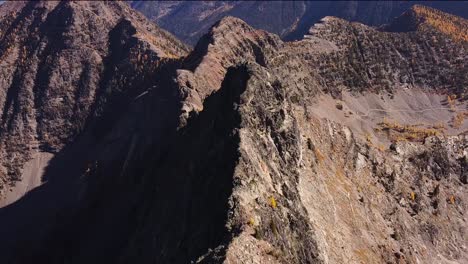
pixel 192 183
pixel 171 212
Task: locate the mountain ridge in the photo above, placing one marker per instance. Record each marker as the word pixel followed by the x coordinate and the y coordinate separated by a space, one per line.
pixel 289 19
pixel 249 148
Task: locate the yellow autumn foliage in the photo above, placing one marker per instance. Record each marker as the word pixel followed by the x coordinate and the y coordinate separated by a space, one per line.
pixel 273 202
pixel 400 132
pixel 459 118
pixel 450 25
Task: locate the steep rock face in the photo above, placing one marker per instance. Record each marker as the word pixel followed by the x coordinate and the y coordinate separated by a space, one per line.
pixel 306 182
pixel 288 19
pixel 61 61
pixel 232 155
pixel 70 72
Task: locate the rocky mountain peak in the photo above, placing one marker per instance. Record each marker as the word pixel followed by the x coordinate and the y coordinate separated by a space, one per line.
pixel 229 42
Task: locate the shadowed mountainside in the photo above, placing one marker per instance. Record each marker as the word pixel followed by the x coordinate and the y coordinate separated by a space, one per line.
pixel 70 72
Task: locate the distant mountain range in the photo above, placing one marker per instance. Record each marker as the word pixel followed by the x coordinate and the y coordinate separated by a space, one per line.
pixel 189 20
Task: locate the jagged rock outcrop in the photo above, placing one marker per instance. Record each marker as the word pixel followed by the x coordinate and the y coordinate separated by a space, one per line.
pixel 230 42
pixel 243 152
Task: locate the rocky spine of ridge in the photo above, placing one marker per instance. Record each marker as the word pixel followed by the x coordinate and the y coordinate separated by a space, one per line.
pixel 289 180
pixel 274 215
pixel 226 159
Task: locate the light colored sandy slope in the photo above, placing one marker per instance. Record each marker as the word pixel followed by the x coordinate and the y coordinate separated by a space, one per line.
pixel 362 113
pixel 30 179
